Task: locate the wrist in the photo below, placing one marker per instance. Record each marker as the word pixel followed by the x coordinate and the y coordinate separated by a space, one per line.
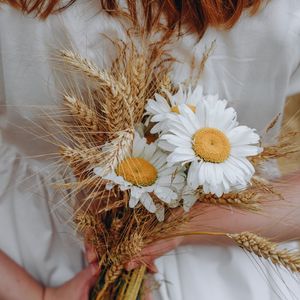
pixel 180 240
pixel 48 293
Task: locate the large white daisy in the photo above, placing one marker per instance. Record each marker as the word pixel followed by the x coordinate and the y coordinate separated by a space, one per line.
pixel 148 177
pixel 161 109
pixel 217 148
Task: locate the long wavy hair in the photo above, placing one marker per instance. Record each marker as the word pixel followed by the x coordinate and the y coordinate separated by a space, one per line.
pixel 196 14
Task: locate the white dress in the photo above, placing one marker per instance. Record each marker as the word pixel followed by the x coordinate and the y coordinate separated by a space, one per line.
pixel 255 65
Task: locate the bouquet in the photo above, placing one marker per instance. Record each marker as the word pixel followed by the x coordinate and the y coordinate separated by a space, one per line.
pixel 148 156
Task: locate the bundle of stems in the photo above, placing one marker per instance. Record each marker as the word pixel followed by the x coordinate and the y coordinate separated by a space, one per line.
pixel 100 132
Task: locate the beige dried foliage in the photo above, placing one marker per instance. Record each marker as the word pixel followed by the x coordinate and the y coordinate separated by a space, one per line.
pixel 284 148
pixel 119 98
pixel 131 247
pixel 115 151
pixel 113 273
pixel 165 84
pixel 247 200
pixel 85 221
pixel 139 75
pixel 78 158
pixel 264 188
pixel 84 115
pixel 268 250
pixel 119 107
pixel 85 66
pixel 272 123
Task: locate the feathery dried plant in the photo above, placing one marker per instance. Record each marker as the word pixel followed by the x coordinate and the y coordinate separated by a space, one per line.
pixel 101 132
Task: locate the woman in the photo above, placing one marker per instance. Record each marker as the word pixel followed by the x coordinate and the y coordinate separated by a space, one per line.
pixel 255 64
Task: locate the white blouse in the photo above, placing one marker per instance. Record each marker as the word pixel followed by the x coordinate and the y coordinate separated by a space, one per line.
pixel 255 65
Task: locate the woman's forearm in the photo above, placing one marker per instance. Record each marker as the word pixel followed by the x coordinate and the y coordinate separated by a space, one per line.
pixel 16 283
pixel 279 219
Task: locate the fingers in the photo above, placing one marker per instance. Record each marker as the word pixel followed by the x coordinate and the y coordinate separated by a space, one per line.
pixel 90 253
pixel 88 276
pixel 148 288
pixel 152 268
pixel 151 252
pixel 78 287
pixel 149 263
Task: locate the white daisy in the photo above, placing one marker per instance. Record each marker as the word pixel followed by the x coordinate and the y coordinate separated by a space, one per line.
pixel 161 109
pixel 217 148
pixel 148 177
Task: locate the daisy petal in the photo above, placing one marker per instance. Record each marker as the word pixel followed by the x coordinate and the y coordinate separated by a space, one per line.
pixel 148 203
pixel 133 202
pixel 165 194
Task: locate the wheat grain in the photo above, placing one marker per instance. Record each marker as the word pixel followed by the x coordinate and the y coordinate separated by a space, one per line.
pixel 84 221
pixel 131 247
pixel 245 200
pixel 83 114
pixel 139 83
pixel 268 250
pixel 119 108
pixel 117 150
pixel 85 66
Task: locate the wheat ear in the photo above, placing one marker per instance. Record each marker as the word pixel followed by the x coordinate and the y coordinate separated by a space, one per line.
pixel 83 114
pixel 245 200
pixel 119 108
pixel 79 158
pixel 85 66
pixel 116 150
pixel 139 86
pixel 264 248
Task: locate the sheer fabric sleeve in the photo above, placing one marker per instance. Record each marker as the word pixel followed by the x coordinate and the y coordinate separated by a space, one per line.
pixel 294 84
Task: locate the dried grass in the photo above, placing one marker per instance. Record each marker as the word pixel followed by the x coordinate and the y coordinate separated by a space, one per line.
pixel 247 200
pixel 101 134
pixel 264 248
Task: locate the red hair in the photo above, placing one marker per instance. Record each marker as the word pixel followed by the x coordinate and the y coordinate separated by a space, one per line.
pixel 197 14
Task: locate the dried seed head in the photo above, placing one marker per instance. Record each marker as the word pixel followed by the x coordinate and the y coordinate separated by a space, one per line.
pixel 268 250
pixel 248 200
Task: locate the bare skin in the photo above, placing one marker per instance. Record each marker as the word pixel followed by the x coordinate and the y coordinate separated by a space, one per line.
pixel 281 221
pixel 17 284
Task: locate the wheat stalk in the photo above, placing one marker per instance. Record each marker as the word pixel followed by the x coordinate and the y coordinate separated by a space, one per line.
pixel 135 283
pixel 268 250
pixel 285 147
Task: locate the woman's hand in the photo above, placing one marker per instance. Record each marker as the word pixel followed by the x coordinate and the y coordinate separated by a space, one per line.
pixel 278 220
pixel 16 283
pixel 152 252
pixel 77 288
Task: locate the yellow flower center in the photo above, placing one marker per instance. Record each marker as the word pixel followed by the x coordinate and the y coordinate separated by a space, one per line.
pixel 175 109
pixel 212 145
pixel 137 171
